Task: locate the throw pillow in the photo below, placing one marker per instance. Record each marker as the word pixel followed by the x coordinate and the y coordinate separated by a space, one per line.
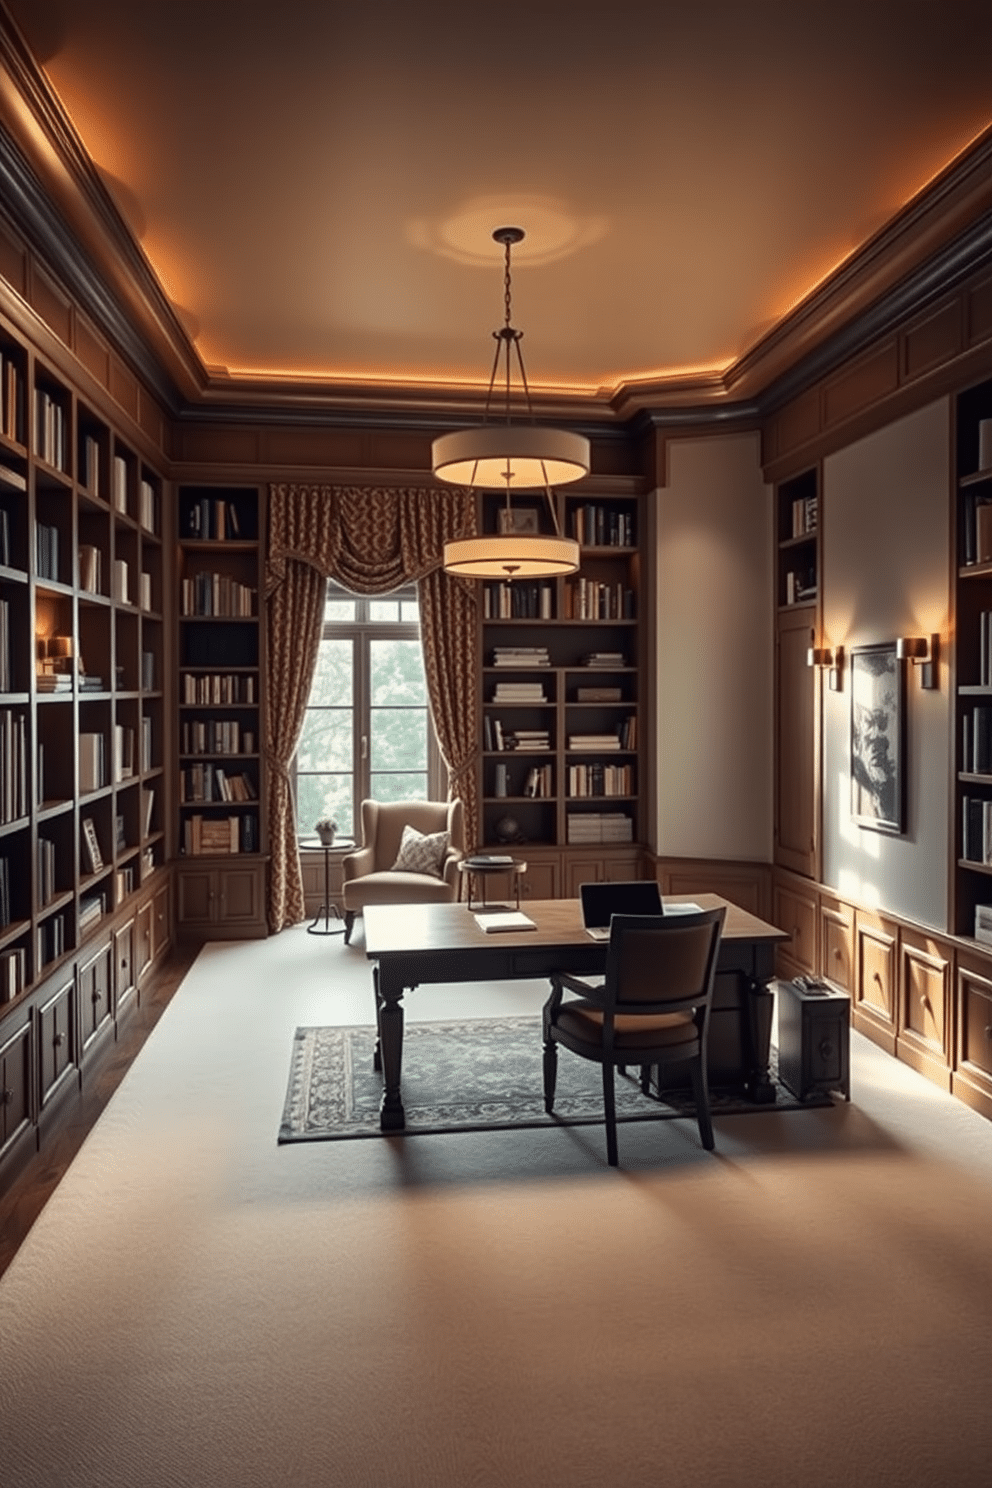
pixel 420 854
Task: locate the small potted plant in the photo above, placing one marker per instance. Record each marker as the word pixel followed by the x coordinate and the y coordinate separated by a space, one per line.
pixel 325 829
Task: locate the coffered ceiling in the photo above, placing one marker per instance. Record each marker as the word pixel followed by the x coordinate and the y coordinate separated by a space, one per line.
pixel 315 184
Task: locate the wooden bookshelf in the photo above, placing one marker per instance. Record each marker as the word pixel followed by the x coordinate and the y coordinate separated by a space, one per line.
pixel 797 774
pixel 220 647
pixel 84 894
pixel 561 702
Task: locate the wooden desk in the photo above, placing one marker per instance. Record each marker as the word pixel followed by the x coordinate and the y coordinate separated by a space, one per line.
pixel 414 943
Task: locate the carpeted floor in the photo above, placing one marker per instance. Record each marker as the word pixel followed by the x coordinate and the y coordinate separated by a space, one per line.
pixel 198 1307
pixel 477 1074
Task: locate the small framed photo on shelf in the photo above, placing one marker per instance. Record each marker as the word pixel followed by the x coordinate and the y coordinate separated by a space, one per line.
pixel 518 519
pixel 91 847
pixel 878 739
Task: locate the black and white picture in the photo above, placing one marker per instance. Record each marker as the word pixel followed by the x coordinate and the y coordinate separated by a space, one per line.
pixel 877 739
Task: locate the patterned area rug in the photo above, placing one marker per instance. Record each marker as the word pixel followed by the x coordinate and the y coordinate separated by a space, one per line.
pixel 484 1074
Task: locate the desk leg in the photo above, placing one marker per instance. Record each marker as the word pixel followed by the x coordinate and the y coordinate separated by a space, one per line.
pixel 760 1005
pixel 389 1000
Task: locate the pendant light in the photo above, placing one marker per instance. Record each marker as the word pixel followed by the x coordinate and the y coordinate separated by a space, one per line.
pixel 511 457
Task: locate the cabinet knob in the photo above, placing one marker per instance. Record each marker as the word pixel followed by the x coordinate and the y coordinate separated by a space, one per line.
pixel 876 978
pixel 95 995
pixel 826 1048
pixel 6 1096
pixel 988 1032
pixel 59 1040
pixel 836 953
pixel 924 1000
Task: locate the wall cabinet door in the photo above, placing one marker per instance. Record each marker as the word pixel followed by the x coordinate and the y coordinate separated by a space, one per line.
pixel 797 783
pixel 58 1052
pixel 972 1078
pixel 161 929
pixel 144 940
pixel 95 995
pixel 875 979
pixel 15 1085
pixel 540 881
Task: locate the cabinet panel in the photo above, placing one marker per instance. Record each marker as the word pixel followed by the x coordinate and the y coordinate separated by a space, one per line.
pixel 144 940
pixel 95 995
pixel 925 1006
pixel 197 889
pixel 837 942
pixel 972 1078
pixel 160 920
pixel 874 1011
pixel 125 980
pixel 239 897
pixel 15 1085
pixel 795 912
pixel 223 900
pixel 58 1052
pixel 540 881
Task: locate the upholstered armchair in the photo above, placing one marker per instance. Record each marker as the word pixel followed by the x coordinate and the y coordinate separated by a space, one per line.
pixel 425 873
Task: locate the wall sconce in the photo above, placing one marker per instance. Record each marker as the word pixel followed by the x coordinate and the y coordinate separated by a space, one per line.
pixel 922 652
pixel 829 659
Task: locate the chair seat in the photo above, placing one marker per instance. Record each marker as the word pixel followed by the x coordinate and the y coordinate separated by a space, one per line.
pixel 391 886
pixel 584 1021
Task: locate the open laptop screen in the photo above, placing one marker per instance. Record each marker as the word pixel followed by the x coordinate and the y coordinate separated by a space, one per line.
pixel 600 901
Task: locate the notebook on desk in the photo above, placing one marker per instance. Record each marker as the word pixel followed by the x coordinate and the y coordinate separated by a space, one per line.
pixel 601 901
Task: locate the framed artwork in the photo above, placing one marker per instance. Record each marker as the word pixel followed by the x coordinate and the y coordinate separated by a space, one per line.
pixel 878 738
pixel 518 519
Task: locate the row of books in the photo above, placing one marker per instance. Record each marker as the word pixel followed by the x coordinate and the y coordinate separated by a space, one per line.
pixel 5 672
pixel 496 737
pixel 216 736
pixel 604 661
pixel 805 515
pixel 213 518
pixel 587 599
pixel 222 835
pixel 596 526
pixel 51 430
pixel 215 594
pixel 623 737
pixel 985 647
pixel 5 537
pixel 533 780
pixel 600 780
pixel 220 689
pixel 976 741
pixel 520 601
pixel 11 399
pixel 599 827
pixel 50 939
pixel 976 830
pixel 521 656
pixel 800 586
pixel 92 907
pixel 977 527
pixel 4 893
pixel 123 740
pixel 92 762
pixel 13 766
pixel 209 782
pixel 13 972
pixel 46 870
pixel 46 551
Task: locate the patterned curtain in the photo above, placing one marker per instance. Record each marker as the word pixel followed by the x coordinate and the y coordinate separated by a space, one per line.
pixel 372 541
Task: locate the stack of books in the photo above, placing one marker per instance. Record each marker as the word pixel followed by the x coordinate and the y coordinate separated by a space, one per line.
pixel 594 742
pixel 605 660
pixel 519 692
pixel 521 656
pixel 49 682
pixel 599 826
pixel 532 740
pixel 91 909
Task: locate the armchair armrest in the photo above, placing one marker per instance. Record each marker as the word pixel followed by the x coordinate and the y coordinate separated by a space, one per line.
pixel 591 991
pixel 357 864
pixel 449 869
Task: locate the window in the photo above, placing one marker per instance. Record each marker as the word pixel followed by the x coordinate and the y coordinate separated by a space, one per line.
pixel 367 729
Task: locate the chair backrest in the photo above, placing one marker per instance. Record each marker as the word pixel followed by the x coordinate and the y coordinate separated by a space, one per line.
pixel 383 823
pixel 662 963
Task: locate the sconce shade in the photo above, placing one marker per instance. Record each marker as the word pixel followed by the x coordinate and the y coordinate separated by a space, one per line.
pixel 819 656
pixel 913 648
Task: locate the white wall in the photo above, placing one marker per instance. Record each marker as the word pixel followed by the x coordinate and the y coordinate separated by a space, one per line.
pixel 885 573
pixel 715 646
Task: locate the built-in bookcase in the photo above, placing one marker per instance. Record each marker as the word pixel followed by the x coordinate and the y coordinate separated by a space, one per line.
pixel 81 670
pixel 561 701
pixel 219 785
pixel 973 706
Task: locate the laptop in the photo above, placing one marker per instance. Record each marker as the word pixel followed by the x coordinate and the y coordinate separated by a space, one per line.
pixel 601 901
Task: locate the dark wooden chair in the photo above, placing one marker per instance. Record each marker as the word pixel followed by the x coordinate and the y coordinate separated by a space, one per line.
pixel 652 1009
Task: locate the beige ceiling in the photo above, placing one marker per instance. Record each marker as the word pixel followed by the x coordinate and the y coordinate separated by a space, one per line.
pixel 315 184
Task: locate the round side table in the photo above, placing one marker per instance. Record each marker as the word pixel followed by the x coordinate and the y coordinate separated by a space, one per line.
pixel 328 909
pixel 473 869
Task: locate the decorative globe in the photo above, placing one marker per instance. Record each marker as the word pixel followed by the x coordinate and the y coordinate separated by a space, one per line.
pixel 508 830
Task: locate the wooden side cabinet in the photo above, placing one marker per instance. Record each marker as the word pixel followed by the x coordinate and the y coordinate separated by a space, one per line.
pixel 15 1086
pixel 222 900
pixel 795 911
pixel 875 979
pixel 923 1040
pixel 837 942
